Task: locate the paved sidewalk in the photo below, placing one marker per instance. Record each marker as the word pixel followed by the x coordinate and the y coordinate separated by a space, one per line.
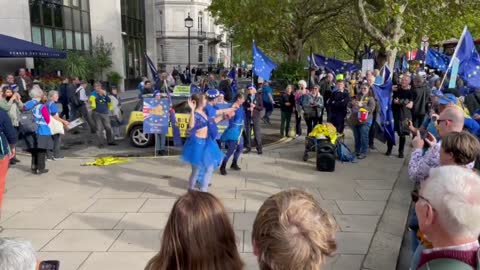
pixel 112 217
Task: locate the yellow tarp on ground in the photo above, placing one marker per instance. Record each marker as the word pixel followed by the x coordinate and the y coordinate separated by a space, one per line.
pixel 327 130
pixel 106 161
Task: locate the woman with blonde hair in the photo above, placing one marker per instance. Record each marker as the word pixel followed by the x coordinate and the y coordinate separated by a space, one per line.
pixel 198 236
pixel 292 231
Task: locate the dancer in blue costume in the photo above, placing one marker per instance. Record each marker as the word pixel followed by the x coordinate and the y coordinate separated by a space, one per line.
pixel 233 135
pixel 212 111
pixel 200 150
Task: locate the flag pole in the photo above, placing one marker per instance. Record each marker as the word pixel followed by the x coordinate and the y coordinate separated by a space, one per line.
pixel 253 62
pixel 310 69
pixel 454 55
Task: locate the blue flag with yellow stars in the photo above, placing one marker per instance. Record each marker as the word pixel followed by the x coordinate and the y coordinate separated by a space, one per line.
pixel 437 60
pixel 262 65
pixel 386 130
pixel 156 113
pixel 469 59
pixel 333 65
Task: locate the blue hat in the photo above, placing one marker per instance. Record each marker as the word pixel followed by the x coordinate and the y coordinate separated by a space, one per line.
pixel 436 93
pixel 222 93
pixel 213 94
pixel 447 99
pixel 251 85
pixel 156 93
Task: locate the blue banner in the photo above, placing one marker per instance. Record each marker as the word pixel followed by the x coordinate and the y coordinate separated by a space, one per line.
pixel 333 65
pixel 155 116
pixel 469 67
pixel 437 60
pixel 386 131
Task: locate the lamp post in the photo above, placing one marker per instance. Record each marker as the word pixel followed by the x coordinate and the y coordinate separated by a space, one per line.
pixel 188 25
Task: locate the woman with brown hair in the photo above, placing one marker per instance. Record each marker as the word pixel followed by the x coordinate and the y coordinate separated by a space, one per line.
pixel 198 236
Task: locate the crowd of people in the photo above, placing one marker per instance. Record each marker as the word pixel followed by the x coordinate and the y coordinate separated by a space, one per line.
pixel 291 230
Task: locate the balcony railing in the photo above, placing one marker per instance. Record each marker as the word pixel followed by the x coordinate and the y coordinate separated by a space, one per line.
pixel 200 35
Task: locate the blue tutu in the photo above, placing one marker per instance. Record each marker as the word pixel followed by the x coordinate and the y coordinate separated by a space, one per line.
pixel 202 152
pixel 232 133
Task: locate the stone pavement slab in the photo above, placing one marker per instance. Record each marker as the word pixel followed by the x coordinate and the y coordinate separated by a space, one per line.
pixel 113 217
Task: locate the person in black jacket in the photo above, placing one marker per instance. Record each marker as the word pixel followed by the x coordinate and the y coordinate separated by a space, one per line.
pixel 402 104
pixel 254 109
pixel 287 103
pixel 8 139
pixel 337 105
pixel 421 97
pixel 63 98
pixel 225 87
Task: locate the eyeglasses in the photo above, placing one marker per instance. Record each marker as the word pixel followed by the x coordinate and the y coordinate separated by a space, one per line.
pixel 439 121
pixel 416 197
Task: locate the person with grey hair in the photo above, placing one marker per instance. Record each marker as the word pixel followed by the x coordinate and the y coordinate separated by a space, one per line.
pixel 17 254
pixel 299 94
pixel 312 105
pixel 39 142
pixel 51 104
pixel 448 210
pixel 421 97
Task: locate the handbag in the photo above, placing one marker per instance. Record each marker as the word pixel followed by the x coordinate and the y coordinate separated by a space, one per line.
pixel 56 127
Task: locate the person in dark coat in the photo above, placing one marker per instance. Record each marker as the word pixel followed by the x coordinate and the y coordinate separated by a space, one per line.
pixel 421 97
pixel 326 87
pixel 24 84
pixel 225 87
pixel 287 104
pixel 402 104
pixel 63 99
pixel 337 105
pixel 254 109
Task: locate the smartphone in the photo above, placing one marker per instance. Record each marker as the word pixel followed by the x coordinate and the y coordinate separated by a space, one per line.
pixel 434 119
pixel 49 265
pixel 423 134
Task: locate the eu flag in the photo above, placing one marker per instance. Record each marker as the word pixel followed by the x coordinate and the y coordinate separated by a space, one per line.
pixel 437 60
pixel 469 67
pixel 404 64
pixel 177 139
pixel 385 127
pixel 233 75
pixel 262 65
pixel 333 65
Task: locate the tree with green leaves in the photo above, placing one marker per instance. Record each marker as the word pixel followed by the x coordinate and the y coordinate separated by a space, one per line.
pixel 400 24
pixel 101 57
pixel 279 26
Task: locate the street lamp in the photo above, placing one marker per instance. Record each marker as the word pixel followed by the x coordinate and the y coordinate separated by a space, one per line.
pixel 188 25
pixel 231 50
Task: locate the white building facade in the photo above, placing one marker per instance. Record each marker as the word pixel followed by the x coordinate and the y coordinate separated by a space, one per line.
pixel 209 43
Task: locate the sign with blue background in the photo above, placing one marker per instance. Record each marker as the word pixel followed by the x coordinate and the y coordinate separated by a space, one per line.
pixel 223 124
pixel 156 115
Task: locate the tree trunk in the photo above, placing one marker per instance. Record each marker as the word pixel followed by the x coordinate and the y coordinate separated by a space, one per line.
pixel 295 51
pixel 391 56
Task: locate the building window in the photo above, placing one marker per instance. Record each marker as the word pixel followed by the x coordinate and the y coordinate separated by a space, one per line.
pixel 53 23
pixel 48 37
pixel 200 54
pixel 69 40
pixel 59 39
pixel 37 35
pixel 200 22
pixel 78 41
pixel 86 41
pixel 133 25
pixel 162 55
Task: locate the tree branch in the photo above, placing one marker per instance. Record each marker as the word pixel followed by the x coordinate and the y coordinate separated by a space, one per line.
pixel 373 31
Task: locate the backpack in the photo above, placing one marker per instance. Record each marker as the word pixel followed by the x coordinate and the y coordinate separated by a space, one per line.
pixel 344 153
pixel 27 122
pixel 75 99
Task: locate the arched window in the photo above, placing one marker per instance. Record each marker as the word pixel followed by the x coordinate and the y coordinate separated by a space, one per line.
pixel 200 54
